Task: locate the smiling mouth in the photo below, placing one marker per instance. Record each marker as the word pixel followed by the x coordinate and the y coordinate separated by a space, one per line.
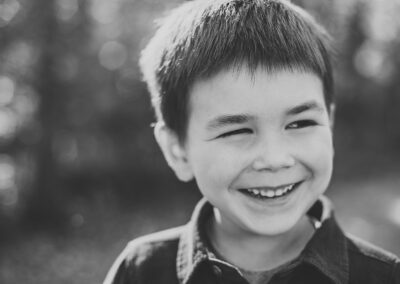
pixel 269 192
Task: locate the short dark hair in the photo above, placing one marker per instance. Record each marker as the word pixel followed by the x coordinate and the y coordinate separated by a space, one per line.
pixel 202 37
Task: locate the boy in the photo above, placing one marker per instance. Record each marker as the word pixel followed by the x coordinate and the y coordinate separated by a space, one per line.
pixel 243 95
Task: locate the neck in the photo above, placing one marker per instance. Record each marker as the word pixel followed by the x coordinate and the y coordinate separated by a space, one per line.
pixel 259 252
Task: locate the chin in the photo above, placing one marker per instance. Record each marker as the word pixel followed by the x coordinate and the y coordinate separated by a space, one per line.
pixel 274 227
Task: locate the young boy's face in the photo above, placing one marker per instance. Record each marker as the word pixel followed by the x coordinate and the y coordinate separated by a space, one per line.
pixel 260 147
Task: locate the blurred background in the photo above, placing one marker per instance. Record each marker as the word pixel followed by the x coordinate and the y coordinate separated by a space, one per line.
pixel 80 174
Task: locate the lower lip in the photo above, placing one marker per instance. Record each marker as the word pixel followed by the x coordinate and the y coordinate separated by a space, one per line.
pixel 273 200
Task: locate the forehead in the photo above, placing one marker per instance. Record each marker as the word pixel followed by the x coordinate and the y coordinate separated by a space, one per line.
pixel 236 91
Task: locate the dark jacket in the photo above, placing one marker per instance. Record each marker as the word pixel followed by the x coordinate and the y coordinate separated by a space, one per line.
pixel 181 256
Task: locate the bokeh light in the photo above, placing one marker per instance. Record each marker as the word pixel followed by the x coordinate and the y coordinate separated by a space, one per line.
pixel 8 123
pixel 25 104
pixel 7 88
pixel 370 62
pixel 66 9
pixel 8 10
pixel 8 190
pixel 112 55
pixel 20 57
pixel 105 11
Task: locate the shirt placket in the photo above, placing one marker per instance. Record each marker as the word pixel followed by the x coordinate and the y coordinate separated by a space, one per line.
pixel 226 274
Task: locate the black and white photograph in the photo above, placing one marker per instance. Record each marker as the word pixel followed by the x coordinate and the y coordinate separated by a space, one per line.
pixel 200 141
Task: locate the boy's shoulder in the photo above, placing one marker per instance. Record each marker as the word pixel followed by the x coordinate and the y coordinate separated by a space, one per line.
pixel 363 248
pixel 155 243
pixel 151 257
pixel 371 264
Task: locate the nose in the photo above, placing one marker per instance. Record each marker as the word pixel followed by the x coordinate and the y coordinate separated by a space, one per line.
pixel 273 155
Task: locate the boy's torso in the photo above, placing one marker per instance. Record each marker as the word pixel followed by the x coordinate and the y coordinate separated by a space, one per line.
pixel 180 256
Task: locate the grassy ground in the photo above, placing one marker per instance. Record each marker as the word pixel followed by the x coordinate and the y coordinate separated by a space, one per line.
pixel 369 208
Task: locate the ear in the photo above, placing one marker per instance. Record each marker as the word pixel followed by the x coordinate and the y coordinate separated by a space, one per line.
pixel 173 151
pixel 332 110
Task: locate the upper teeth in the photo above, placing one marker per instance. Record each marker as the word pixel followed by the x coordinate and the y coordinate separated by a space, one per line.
pixel 271 192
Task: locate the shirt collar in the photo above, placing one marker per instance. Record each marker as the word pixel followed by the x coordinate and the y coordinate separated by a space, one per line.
pixel 192 249
pixel 326 251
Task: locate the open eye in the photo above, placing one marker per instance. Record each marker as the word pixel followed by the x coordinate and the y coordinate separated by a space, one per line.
pixel 301 124
pixel 235 132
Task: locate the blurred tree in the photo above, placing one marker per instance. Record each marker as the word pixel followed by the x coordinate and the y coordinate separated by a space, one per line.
pixel 61 42
pixel 44 204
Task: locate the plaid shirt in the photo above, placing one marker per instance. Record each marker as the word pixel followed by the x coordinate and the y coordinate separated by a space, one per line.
pixel 181 256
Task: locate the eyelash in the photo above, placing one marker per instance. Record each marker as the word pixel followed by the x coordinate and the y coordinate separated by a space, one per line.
pixel 235 132
pixel 301 124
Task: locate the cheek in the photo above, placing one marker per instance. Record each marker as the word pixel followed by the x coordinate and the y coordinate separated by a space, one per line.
pixel 215 167
pixel 317 152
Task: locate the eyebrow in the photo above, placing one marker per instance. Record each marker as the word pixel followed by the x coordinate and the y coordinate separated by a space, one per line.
pixel 307 106
pixel 225 120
